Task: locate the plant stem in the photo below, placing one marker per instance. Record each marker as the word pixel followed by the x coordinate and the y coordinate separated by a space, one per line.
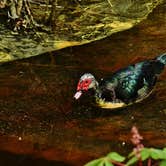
pixel 117 163
pixel 140 162
pixel 149 162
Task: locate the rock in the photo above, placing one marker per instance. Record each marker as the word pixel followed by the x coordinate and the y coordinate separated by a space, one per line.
pixel 67 23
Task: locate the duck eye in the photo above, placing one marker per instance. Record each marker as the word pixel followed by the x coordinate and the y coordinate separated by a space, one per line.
pixel 86 82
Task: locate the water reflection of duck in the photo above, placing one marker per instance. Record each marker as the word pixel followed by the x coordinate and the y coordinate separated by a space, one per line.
pixel 126 86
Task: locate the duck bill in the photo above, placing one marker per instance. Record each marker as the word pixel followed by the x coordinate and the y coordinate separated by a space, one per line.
pixel 78 95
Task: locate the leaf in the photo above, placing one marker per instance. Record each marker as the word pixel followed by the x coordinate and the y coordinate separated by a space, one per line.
pixel 163 163
pixel 132 161
pixel 97 162
pixel 102 163
pixel 164 150
pixel 108 163
pixel 131 154
pixel 157 154
pixel 115 156
pixel 145 154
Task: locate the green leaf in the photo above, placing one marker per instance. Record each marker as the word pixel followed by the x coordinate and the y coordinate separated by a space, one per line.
pixel 131 154
pixel 132 161
pixel 163 163
pixel 97 162
pixel 157 154
pixel 164 150
pixel 108 163
pixel 145 154
pixel 115 156
pixel 102 163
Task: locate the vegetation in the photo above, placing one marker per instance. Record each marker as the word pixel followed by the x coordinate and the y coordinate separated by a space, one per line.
pixel 139 156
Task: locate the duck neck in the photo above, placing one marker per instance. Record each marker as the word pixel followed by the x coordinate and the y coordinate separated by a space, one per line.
pixel 97 90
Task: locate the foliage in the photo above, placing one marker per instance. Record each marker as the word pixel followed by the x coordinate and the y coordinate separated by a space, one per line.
pixel 139 156
pixel 108 160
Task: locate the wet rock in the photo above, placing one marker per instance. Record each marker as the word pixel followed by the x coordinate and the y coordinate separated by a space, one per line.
pixel 47 26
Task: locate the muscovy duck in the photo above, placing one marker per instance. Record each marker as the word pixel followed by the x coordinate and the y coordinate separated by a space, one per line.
pixel 126 86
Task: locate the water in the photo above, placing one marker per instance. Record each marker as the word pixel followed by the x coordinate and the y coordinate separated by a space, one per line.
pixel 40 122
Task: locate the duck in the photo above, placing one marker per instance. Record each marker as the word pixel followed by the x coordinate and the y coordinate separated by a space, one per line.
pixel 124 87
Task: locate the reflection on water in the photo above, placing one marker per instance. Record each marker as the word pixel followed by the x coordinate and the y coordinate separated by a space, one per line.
pixel 40 118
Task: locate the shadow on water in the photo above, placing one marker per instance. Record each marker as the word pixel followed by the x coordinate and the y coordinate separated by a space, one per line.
pixel 41 123
pixel 24 160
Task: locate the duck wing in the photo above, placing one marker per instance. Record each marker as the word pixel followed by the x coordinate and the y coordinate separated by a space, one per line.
pixel 132 82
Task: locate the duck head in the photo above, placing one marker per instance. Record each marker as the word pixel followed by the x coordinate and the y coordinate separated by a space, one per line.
pixel 86 82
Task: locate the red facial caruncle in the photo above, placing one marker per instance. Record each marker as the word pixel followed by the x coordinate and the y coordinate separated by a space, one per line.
pixel 84 84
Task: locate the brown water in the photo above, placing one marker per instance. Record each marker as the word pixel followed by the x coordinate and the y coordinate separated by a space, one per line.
pixel 41 123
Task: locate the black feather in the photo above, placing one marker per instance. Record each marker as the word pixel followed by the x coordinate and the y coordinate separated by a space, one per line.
pixel 131 82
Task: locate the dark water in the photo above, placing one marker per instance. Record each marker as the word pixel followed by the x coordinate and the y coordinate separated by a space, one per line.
pixel 41 123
